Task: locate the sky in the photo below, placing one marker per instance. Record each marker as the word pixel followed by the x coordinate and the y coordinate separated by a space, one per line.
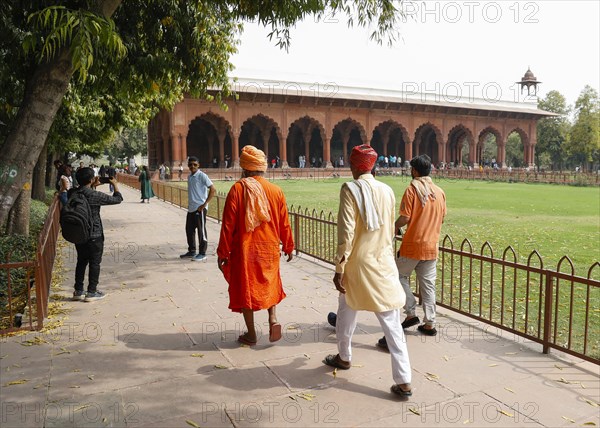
pixel 471 49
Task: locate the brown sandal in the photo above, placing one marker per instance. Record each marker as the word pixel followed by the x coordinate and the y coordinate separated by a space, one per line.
pixel 274 332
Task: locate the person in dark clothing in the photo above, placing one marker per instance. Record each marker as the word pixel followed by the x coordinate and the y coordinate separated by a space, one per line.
pixel 91 251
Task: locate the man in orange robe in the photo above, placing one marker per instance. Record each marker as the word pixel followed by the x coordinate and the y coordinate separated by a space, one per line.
pixel 255 222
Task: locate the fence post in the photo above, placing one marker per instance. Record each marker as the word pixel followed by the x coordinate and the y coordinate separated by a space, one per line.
pixel 218 209
pixel 296 232
pixel 547 313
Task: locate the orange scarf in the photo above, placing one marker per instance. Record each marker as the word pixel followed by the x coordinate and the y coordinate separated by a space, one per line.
pixel 257 206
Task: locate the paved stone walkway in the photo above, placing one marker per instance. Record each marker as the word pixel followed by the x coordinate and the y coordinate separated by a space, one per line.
pixel 161 351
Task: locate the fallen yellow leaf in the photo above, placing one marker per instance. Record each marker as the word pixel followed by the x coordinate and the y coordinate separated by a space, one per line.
pixel 509 390
pixel 16 382
pixel 415 411
pixel 81 407
pixel 510 415
pixel 197 355
pixel 568 419
pixel 192 423
pixel 220 366
pixel 493 365
pixel 334 372
pixel 306 396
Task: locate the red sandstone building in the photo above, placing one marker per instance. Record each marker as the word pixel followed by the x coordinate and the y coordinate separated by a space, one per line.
pixel 323 122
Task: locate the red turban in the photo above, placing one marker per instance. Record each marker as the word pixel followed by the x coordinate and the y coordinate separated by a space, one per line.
pixel 253 159
pixel 363 158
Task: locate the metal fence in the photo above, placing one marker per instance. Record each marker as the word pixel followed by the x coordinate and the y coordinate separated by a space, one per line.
pixel 521 176
pixel 555 308
pixel 552 307
pixel 25 304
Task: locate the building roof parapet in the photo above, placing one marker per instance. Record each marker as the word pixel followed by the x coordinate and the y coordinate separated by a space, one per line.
pixel 260 90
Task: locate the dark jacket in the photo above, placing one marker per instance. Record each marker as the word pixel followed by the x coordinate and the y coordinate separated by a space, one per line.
pixel 96 199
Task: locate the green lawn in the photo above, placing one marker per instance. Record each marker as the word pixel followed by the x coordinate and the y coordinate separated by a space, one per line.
pixel 554 220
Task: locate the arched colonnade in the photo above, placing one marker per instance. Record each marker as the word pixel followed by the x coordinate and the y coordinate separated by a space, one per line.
pixel 324 133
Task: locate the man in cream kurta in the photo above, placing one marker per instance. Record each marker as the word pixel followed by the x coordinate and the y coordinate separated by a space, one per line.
pixel 366 273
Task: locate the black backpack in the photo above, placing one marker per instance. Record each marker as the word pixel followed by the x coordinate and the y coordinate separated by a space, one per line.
pixel 76 219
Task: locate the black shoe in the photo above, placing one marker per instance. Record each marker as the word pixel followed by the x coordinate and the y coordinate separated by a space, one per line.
pixel 332 318
pixel 78 295
pixel 95 295
pixel 427 331
pixel 409 322
pixel 188 255
pixel 382 343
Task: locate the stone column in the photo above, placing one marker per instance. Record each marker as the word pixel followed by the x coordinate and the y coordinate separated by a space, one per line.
pixel 306 138
pixel 183 147
pixel 283 150
pixel 235 149
pixel 265 137
pixel 345 139
pixel 408 151
pixel 441 152
pixel 501 161
pixel 473 148
pixel 175 150
pixel 211 152
pixel 327 153
pixel 221 139
pixel 532 155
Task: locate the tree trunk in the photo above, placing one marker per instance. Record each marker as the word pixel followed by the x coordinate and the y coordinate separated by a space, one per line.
pixel 51 171
pixel 38 187
pixel 18 218
pixel 43 95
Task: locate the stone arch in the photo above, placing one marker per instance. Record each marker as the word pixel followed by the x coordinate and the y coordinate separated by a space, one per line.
pixel 346 134
pixel 524 145
pixel 460 140
pixel 390 138
pixel 522 134
pixel 306 137
pixel 262 132
pixel 209 139
pixel 479 158
pixel 427 140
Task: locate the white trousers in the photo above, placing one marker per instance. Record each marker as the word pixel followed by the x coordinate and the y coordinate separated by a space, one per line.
pixel 392 329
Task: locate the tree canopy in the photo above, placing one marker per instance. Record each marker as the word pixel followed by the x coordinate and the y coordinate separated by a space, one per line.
pixel 129 58
pixel 552 132
pixel 584 141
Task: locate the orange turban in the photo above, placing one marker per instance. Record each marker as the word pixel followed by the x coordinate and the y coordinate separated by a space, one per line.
pixel 253 159
pixel 363 158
